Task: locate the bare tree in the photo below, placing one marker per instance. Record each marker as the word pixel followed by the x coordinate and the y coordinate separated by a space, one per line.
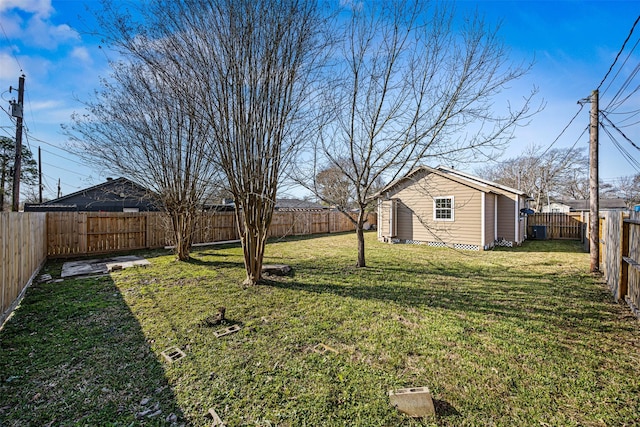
pixel 254 61
pixel 628 188
pixel 140 127
pixel 408 88
pixel 560 173
pixel 334 187
pixel 247 65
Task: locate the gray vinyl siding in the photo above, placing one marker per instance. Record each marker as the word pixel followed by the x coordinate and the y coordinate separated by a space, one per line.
pixel 416 205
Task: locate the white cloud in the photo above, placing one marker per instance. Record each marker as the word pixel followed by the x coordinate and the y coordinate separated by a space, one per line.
pixel 37 105
pixel 82 54
pixel 29 21
pixel 43 33
pixel 39 7
pixel 9 68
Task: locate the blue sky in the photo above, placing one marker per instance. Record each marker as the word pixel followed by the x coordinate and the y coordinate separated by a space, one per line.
pixel 573 44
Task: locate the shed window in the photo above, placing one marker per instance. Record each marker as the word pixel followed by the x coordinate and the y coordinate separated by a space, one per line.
pixel 443 209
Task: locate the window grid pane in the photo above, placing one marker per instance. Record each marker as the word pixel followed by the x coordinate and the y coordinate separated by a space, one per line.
pixel 444 209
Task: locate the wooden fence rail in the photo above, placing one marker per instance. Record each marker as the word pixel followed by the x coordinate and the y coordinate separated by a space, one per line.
pixel 28 238
pixel 559 225
pixel 84 233
pixel 620 253
pixel 23 251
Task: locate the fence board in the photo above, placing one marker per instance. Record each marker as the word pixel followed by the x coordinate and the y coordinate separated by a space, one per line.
pixel 559 225
pixel 23 251
pixel 633 254
pixel 84 233
pixel 620 254
pixel 610 247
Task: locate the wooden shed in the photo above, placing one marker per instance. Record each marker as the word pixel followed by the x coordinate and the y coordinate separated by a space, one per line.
pixel 445 207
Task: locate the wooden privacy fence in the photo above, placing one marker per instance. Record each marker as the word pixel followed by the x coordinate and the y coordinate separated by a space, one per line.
pixel 559 225
pixel 83 233
pixel 23 251
pixel 620 255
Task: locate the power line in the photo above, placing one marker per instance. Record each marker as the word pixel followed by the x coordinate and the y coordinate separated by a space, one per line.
pixel 622 88
pixel 66 170
pixel 625 154
pixel 621 133
pixel 53 145
pixel 63 157
pixel 9 43
pixel 8 113
pixel 562 131
pixel 619 52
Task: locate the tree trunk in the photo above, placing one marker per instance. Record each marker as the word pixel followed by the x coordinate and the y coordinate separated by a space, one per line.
pixel 255 215
pixel 182 223
pixel 360 234
pixel 253 246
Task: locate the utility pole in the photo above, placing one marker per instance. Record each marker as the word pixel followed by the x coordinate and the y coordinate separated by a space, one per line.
pixel 594 193
pixel 17 112
pixel 39 176
pixel 59 189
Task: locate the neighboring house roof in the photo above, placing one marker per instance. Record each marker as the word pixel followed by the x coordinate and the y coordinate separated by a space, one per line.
pixel 605 204
pixel 111 195
pixel 298 205
pixel 457 176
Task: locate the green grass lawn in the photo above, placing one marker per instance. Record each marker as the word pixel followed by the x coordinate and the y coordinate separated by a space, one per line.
pixel 511 337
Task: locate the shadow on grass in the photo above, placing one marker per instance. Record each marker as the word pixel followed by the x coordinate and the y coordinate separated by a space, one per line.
pixel 303 237
pixel 214 263
pixel 74 354
pixel 566 246
pixel 444 409
pixel 521 296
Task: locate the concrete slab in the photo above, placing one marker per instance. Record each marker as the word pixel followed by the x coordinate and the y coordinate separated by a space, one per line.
pixel 172 354
pixel 415 402
pixel 227 331
pixel 101 266
pixel 276 269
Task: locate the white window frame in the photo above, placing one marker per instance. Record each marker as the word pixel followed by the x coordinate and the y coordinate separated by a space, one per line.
pixel 435 202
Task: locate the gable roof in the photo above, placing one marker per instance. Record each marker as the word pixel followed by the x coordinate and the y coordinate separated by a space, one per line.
pixel 485 181
pixel 117 182
pixel 113 194
pixel 466 179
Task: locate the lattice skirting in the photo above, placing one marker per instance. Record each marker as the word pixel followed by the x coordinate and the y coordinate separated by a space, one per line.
pixel 437 244
pixel 466 247
pixel 414 242
pixel 505 243
pixel 461 246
